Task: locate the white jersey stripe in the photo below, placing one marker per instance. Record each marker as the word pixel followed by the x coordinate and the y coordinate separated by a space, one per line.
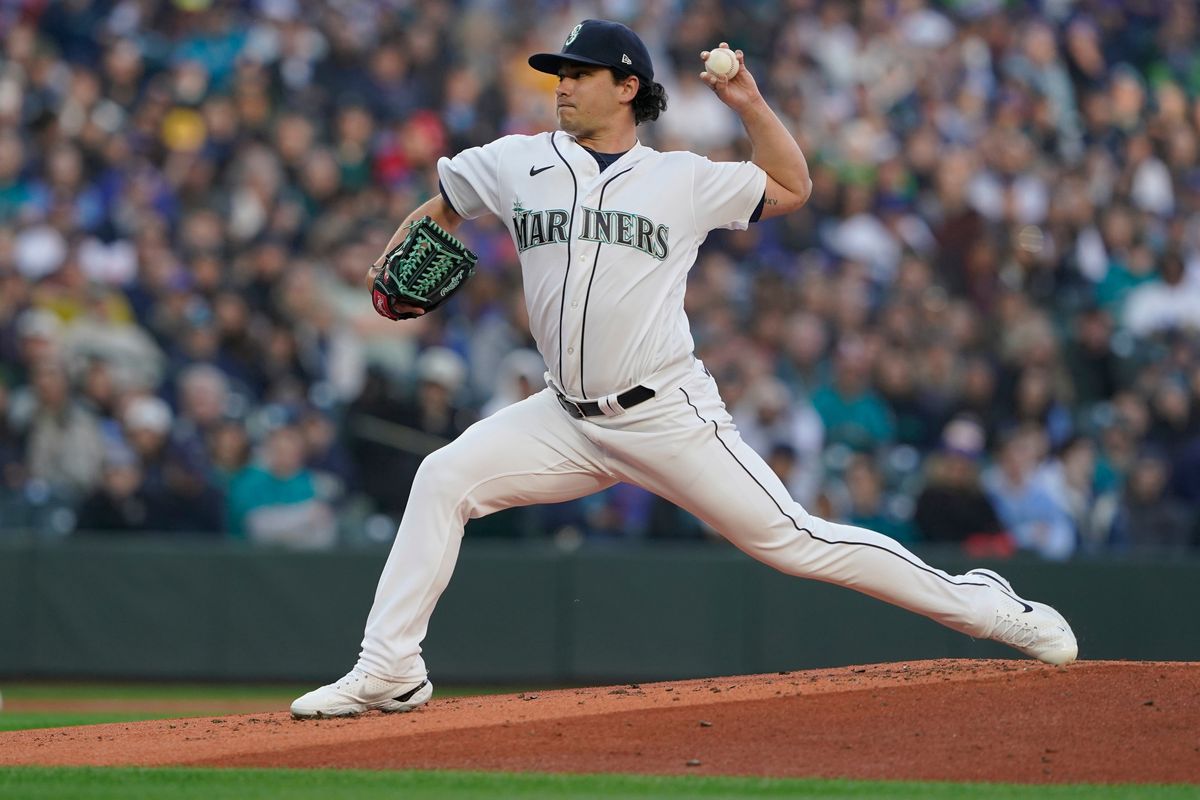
pixel 574 202
pixel 588 297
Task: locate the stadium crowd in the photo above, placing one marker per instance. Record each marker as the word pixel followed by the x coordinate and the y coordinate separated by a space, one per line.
pixel 982 330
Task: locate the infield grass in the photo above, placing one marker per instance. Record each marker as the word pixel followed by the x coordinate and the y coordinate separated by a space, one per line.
pixel 94 783
pixel 77 703
pixel 26 720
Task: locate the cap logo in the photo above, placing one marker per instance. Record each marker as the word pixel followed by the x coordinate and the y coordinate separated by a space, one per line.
pixel 571 36
pixel 625 60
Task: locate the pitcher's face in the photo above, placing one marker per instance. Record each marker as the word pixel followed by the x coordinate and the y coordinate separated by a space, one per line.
pixel 588 100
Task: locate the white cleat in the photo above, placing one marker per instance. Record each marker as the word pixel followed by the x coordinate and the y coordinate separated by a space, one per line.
pixel 358 692
pixel 1034 628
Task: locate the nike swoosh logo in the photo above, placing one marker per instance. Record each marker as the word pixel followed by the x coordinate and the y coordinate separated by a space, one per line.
pixel 408 695
pixel 1028 608
pixel 533 171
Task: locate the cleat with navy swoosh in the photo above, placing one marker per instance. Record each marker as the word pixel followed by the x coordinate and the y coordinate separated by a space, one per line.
pixel 1034 628
pixel 357 692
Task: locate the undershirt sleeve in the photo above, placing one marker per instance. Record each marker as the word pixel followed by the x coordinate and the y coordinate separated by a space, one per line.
pixel 449 202
pixel 762 201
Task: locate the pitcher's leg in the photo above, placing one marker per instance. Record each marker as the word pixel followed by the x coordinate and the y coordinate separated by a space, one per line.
pixel 724 482
pixel 527 453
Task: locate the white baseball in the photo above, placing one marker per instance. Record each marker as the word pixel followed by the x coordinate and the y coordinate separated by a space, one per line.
pixel 722 62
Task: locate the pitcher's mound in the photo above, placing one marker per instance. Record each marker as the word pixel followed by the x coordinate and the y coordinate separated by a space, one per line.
pixel 1098 721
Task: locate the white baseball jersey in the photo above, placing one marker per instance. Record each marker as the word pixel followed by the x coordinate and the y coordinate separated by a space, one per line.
pixel 604 255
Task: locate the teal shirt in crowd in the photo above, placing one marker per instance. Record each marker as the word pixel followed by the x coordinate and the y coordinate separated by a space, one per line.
pixel 1115 287
pixel 862 422
pixel 255 487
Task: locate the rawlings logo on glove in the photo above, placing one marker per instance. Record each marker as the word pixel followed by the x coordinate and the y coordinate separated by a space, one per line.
pixel 424 270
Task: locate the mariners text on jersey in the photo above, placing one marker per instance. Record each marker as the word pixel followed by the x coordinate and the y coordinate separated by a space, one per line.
pixel 536 228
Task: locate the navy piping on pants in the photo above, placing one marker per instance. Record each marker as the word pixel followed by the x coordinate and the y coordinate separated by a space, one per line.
pixel 802 529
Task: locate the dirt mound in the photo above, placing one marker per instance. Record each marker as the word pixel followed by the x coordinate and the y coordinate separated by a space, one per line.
pixel 1019 721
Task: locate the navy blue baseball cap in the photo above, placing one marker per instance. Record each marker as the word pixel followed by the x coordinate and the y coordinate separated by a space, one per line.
pixel 603 43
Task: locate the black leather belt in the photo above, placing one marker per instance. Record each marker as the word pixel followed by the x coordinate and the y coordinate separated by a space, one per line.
pixel 590 408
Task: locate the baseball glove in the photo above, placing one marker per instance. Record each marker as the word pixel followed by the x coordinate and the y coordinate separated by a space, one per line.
pixel 423 270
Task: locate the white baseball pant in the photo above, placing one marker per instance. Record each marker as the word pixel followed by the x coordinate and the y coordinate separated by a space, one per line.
pixel 682 446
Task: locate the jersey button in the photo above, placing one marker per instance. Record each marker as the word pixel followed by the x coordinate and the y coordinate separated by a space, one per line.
pixel 583 259
pixel 570 351
pixel 574 304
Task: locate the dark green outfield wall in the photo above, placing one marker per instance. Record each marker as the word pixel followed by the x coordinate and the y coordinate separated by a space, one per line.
pixel 522 614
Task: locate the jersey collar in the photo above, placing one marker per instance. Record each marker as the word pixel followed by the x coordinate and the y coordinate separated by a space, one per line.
pixel 585 166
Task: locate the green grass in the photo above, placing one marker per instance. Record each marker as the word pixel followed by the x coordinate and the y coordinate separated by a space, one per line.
pixel 36 783
pixel 276 696
pixel 51 690
pixel 26 720
pixel 82 693
pixel 199 691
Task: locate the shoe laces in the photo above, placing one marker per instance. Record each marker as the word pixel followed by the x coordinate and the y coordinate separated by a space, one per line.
pixel 351 678
pixel 1013 630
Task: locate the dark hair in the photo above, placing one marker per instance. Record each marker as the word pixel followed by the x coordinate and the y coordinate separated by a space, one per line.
pixel 650 101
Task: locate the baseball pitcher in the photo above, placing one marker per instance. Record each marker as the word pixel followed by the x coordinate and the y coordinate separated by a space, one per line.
pixel 607 230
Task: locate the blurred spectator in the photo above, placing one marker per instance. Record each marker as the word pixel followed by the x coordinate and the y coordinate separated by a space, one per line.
pixel 228 447
pixel 1124 423
pixel 1071 479
pixel 769 420
pixel 1002 225
pixel 521 373
pixel 622 511
pixel 181 498
pixel 120 504
pixel 1130 262
pixel 799 477
pixel 953 507
pixel 276 502
pixel 12 467
pixel 1037 404
pixel 436 410
pixel 1164 303
pixel 325 456
pixel 853 414
pixel 380 460
pixel 977 397
pixel 1174 423
pixel 869 506
pixel 101 394
pixel 1024 504
pixel 1149 519
pixel 698 120
pixel 39 341
pixel 65 448
pixel 390 435
pixel 898 385
pixel 203 399
pixel 502 330
pixel 801 361
pixel 1095 368
pixel 16 195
